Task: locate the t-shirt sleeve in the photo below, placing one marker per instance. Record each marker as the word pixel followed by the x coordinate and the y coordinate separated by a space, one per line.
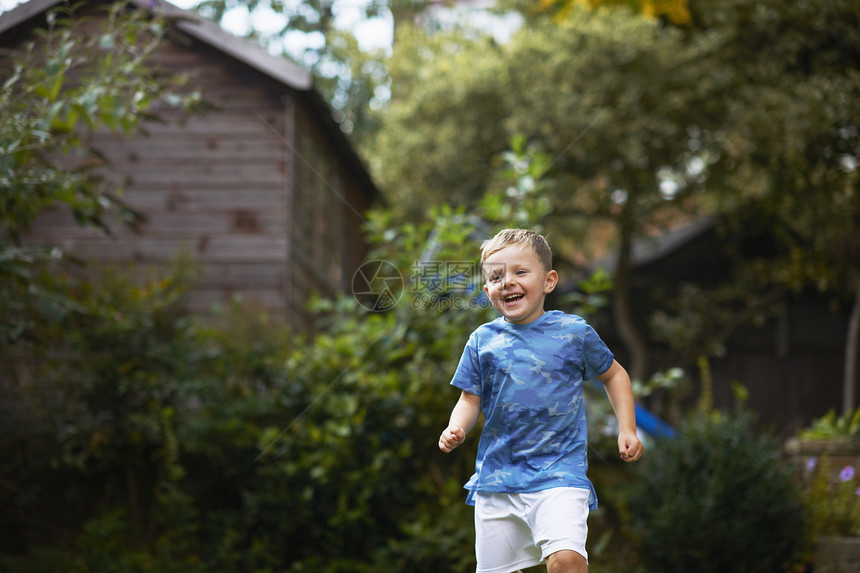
pixel 468 374
pixel 597 356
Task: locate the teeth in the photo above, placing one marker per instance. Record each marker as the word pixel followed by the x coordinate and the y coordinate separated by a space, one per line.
pixel 512 297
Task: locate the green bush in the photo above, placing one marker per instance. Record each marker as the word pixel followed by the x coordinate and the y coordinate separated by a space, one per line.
pixel 154 440
pixel 717 498
pixel 158 440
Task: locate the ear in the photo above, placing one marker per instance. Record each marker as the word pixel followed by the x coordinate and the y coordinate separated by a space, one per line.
pixel 486 290
pixel 551 281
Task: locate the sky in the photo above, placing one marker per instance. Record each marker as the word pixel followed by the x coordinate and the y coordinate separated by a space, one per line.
pixel 371 33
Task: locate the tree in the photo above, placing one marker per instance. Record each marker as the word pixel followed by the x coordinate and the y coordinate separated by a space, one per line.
pixel 742 105
pixel 618 101
pixel 351 80
pixel 789 144
pixel 354 82
pixel 54 92
pixel 675 11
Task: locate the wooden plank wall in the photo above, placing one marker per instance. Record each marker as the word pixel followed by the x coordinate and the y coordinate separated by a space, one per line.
pixel 214 187
pixel 257 191
pixel 330 206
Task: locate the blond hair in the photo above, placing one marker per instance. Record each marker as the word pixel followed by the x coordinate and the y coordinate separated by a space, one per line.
pixel 523 238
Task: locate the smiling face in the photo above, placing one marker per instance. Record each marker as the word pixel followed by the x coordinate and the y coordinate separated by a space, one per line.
pixel 517 283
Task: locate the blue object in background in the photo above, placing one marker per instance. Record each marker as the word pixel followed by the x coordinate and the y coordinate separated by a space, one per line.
pixel 645 419
pixel 650 423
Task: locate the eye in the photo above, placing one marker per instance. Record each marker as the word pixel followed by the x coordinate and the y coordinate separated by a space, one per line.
pixel 495 278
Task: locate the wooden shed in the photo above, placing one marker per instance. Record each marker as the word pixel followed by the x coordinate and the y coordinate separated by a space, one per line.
pixel 790 361
pixel 263 191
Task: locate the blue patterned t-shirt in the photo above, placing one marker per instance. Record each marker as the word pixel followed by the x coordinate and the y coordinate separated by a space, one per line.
pixel 529 378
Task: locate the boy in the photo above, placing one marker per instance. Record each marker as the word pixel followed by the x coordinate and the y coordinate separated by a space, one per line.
pixel 525 372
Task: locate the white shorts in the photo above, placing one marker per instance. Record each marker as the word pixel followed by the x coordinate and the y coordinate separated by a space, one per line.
pixel 516 530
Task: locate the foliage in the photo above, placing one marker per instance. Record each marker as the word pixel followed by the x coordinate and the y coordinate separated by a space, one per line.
pixel 789 133
pixel 717 497
pixel 675 11
pixel 68 80
pixel 141 439
pixel 832 499
pixel 229 443
pixel 698 319
pixel 742 110
pixel 591 295
pixel 521 199
pixel 447 83
pixel 312 18
pixel 671 378
pixel 241 448
pixel 621 123
pixel 461 84
pixel 28 295
pixel 101 450
pixel 833 427
pixel 353 81
pixel 55 91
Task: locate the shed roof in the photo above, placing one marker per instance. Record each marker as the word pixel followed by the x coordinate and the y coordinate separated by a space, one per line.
pixel 196 26
pixel 649 250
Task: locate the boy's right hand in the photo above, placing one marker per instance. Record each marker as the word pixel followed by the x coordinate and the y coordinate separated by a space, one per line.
pixel 452 437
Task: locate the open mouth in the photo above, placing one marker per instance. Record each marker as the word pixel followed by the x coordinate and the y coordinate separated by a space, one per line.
pixel 513 298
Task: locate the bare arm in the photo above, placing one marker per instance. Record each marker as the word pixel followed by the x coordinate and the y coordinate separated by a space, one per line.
pixel 463 419
pixel 620 393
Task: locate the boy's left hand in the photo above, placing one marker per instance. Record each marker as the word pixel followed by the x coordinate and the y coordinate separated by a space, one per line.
pixel 630 446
